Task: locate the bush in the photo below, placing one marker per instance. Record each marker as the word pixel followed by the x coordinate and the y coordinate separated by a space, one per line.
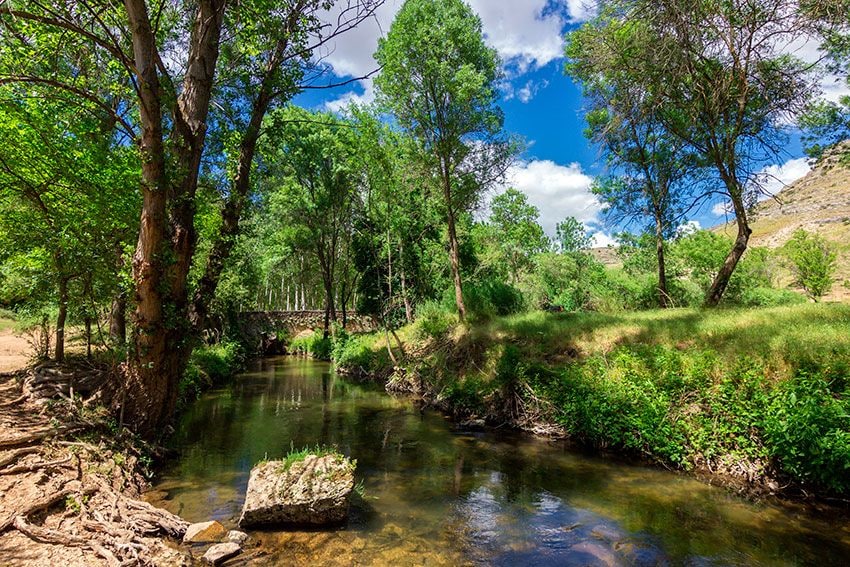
pixel 314 345
pixel 356 353
pixel 808 430
pixel 490 298
pixel 209 365
pixel 769 297
pixel 433 320
pixel 813 262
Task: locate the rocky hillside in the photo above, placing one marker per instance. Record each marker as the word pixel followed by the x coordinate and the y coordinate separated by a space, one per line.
pixel 818 202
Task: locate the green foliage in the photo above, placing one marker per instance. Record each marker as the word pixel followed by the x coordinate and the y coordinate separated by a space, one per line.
pixel 209 365
pixel 565 282
pixel 296 456
pixel 813 262
pixel 489 298
pixel 433 320
pixel 358 353
pixel 315 345
pixel 571 236
pixel 808 427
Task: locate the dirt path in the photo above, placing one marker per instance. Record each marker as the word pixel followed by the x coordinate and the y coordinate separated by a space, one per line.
pixel 14 351
pixel 67 498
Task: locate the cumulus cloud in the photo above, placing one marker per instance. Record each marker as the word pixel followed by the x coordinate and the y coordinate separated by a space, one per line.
pixel 527 35
pixel 807 48
pixel 689 227
pixel 772 179
pixel 558 191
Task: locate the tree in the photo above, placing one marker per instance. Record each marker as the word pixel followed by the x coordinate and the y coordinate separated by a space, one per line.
pixel 812 261
pixel 649 163
pixel 266 48
pixel 571 237
pixel 438 77
pixel 517 232
pixel 318 176
pixel 717 75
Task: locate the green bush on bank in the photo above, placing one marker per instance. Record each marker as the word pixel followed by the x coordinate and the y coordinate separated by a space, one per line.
pixel 210 365
pixel 748 392
pixel 315 345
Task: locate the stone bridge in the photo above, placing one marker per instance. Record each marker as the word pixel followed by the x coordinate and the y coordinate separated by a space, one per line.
pixel 261 327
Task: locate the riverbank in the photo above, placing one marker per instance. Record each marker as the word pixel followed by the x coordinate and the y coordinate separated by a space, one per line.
pixel 759 399
pixel 70 488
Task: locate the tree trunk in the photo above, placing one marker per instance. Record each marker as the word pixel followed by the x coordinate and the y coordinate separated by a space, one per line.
pixel 721 280
pixel 663 295
pixel 166 235
pixel 59 352
pixel 454 252
pixel 118 319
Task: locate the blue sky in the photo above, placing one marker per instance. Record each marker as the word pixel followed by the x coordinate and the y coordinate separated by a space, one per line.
pixel 540 104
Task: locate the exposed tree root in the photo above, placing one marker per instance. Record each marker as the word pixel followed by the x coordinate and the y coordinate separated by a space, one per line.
pixel 76 494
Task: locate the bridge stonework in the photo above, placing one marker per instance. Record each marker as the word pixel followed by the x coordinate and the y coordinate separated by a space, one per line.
pixel 258 327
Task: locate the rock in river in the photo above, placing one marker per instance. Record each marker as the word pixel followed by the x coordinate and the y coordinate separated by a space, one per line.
pixel 312 491
pixel 204 532
pixel 221 552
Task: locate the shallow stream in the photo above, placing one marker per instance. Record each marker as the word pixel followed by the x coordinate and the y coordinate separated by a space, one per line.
pixel 439 494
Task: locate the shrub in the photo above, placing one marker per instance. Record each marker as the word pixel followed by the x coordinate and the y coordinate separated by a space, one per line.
pixel 207 366
pixel 813 262
pixel 433 320
pixel 769 297
pixel 808 430
pixel 490 298
pixel 356 353
pixel 314 345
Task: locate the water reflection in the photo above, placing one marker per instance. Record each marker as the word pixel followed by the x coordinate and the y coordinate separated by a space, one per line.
pixel 441 495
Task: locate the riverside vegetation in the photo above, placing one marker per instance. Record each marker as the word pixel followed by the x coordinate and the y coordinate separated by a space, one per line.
pixel 157 180
pixel 759 397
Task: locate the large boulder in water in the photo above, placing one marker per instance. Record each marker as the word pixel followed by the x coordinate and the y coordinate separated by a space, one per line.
pixel 309 491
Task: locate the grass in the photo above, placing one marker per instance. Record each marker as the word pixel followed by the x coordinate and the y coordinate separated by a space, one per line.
pixel 296 456
pixel 752 393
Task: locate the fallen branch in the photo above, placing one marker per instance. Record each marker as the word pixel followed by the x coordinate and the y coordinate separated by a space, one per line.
pixel 38 436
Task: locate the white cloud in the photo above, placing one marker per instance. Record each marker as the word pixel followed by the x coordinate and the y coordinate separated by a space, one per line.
pixel 774 178
pixel 807 48
pixel 602 240
pixel 689 227
pixel 558 191
pixel 530 90
pixel 527 35
pixel 341 103
pixel 722 209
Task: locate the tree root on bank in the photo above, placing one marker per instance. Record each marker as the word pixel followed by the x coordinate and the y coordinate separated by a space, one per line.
pixel 61 492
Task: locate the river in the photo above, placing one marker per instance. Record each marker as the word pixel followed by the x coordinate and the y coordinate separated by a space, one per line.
pixel 435 493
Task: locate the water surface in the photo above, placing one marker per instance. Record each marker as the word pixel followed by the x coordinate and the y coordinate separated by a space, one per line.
pixel 440 494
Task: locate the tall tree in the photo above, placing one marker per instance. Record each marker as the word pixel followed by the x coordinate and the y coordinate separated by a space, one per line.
pixel 718 76
pixel 169 53
pixel 648 163
pixel 438 77
pixel 520 237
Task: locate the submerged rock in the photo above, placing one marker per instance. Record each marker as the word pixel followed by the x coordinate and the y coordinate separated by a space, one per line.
pixel 313 491
pixel 204 532
pixel 221 552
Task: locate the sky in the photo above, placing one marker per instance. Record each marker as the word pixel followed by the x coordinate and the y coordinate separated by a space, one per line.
pixel 540 103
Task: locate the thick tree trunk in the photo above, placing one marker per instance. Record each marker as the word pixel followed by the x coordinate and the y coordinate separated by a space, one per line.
pixel 59 352
pixel 663 295
pixel 166 232
pixel 454 249
pixel 721 280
